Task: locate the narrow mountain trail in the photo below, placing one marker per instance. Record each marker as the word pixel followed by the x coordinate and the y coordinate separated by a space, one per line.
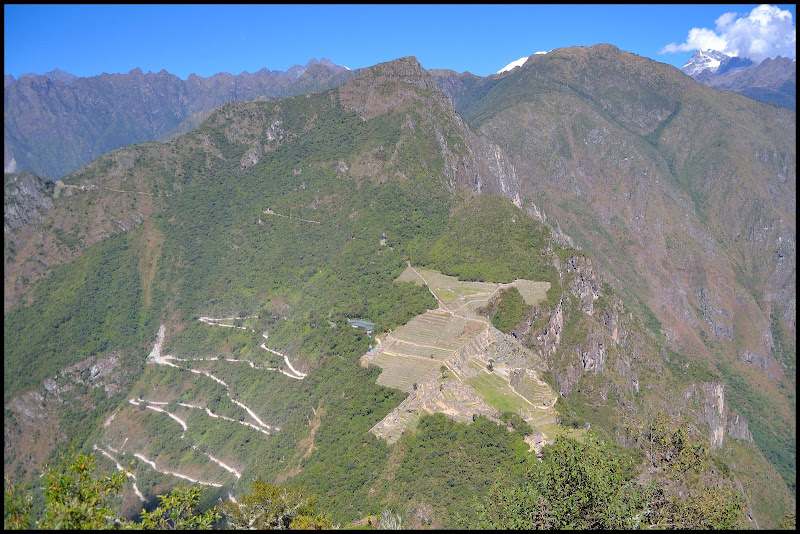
pixel 216 321
pixel 223 465
pixel 258 424
pixel 226 418
pixel 156 356
pixel 173 473
pixel 297 374
pixel 150 406
pixel 120 468
pixel 270 212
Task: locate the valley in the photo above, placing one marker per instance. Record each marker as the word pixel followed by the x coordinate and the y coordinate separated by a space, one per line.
pixel 398 302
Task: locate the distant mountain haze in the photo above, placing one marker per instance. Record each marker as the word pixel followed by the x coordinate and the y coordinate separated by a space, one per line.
pixel 57 122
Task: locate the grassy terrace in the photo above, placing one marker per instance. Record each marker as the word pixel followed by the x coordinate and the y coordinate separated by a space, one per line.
pixel 497 393
pixel 432 328
pixel 402 372
pixel 465 297
pixel 532 292
pixel 535 392
pixel 402 348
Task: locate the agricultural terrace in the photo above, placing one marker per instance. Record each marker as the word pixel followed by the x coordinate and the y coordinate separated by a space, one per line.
pixel 422 344
pixel 463 298
pixel 457 337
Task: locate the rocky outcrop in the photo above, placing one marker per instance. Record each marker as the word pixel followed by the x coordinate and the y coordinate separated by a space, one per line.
pixel 720 321
pixel 713 411
pixel 34 422
pixel 764 363
pixel 26 199
pixel 585 283
pixel 550 339
pixel 385 87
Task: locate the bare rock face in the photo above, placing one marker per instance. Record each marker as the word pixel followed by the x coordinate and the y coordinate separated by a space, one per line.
pixel 33 421
pixel 715 413
pixel 719 320
pixel 764 363
pixel 26 198
pixel 586 283
pixel 385 87
pixel 549 340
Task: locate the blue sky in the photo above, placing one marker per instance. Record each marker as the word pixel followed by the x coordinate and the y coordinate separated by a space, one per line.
pixel 87 40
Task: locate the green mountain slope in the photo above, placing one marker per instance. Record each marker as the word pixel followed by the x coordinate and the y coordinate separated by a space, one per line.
pixel 685 198
pixel 215 276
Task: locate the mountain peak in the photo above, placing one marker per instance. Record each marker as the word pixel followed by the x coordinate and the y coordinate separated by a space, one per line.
pixel 376 89
pixel 60 75
pixel 702 60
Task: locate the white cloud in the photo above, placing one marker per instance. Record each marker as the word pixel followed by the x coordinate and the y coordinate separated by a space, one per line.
pixel 767 31
pixel 698 39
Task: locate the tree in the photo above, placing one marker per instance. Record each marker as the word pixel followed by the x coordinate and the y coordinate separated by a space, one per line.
pixel 75 498
pixel 577 485
pixel 273 507
pixel 16 508
pixel 178 511
pixel 584 485
pixel 443 370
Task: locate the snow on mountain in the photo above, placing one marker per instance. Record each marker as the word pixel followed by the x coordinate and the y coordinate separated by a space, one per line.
pixel 702 60
pixel 518 63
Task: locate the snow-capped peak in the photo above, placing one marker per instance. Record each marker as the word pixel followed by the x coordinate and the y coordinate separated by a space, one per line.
pixel 702 60
pixel 518 63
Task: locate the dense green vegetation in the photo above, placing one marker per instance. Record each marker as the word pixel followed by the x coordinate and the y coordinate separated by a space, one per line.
pixel 86 308
pixel 489 239
pixel 77 498
pixel 577 484
pixel 334 185
pixel 445 464
pixel 511 309
pixel 589 485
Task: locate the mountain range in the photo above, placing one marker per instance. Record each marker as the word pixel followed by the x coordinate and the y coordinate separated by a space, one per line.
pixel 298 288
pixel 774 80
pixel 57 122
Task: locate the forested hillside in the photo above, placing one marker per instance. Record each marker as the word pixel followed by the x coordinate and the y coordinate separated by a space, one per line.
pixel 184 308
